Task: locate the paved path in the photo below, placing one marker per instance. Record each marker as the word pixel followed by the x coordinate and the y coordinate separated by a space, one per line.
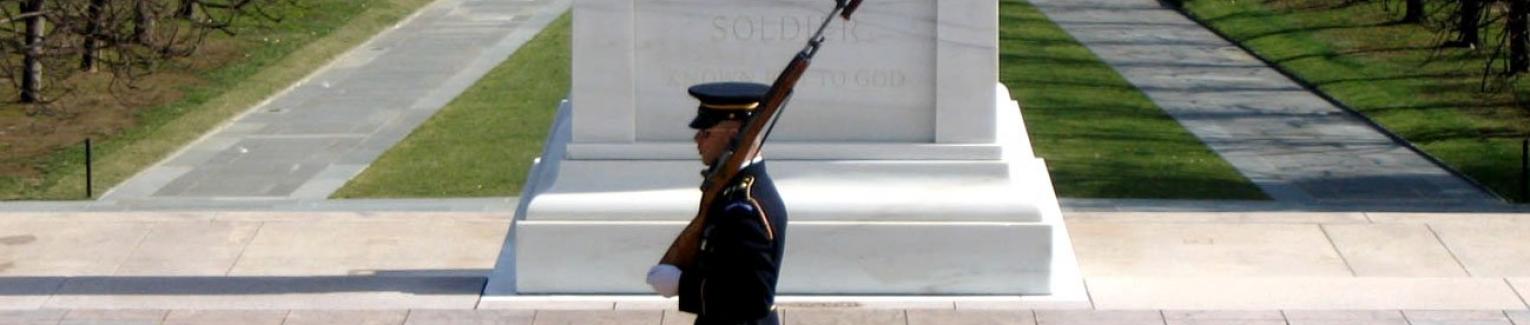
pixel 790 316
pixel 1291 143
pixel 276 261
pixel 308 141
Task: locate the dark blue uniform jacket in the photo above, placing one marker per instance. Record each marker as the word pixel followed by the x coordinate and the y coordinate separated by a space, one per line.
pixel 742 241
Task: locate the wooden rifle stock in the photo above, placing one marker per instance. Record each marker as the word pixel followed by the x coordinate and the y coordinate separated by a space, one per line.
pixel 683 251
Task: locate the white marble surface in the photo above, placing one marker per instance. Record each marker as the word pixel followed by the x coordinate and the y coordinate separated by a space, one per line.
pixel 594 257
pixel 684 42
pixel 813 191
pixel 918 71
pixel 1302 293
pixel 1189 250
pixel 794 151
pixel 1012 187
pixel 904 164
pixel 858 227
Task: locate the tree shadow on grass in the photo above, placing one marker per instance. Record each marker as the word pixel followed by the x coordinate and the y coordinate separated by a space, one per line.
pixel 1438 105
pixel 1309 29
pixel 1443 77
pixel 1124 23
pixel 1465 134
pixel 1317 5
pixel 1068 84
pixel 1144 138
pixel 1059 42
pixel 421 282
pixel 1335 55
pixel 1050 60
pixel 1124 178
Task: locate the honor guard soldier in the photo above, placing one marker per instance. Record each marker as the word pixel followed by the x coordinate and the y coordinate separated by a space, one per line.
pixel 734 280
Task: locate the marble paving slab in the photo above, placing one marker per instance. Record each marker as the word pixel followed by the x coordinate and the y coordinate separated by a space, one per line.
pixel 1394 250
pixel 67 248
pixel 1488 250
pixel 350 248
pixel 1205 250
pixel 1302 293
pixel 268 293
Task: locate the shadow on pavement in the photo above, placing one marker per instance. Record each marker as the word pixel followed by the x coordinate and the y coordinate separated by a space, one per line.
pixel 428 282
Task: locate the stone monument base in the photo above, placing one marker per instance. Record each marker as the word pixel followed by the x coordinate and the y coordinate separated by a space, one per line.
pixel 858 227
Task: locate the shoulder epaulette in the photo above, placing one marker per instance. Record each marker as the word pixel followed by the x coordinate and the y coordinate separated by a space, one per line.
pixel 747 185
pixel 742 186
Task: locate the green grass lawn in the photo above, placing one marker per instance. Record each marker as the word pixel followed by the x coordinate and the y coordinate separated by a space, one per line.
pixel 260 61
pixel 1392 73
pixel 1100 136
pixel 482 143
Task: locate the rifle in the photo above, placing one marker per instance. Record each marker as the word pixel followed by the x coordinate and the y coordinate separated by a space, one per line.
pixel 746 145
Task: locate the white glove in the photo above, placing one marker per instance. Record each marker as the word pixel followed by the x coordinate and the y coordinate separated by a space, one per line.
pixel 665 280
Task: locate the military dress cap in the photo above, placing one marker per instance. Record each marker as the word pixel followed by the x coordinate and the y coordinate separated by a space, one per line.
pixel 724 101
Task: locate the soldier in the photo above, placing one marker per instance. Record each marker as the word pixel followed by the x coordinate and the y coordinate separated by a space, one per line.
pixel 734 280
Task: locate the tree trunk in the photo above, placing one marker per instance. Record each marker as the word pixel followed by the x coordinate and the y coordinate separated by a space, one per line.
pixel 143 22
pixel 1519 59
pixel 1466 27
pixel 92 35
pixel 188 8
pixel 1414 12
pixel 31 76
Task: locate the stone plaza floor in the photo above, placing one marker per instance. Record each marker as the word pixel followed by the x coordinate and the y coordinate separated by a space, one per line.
pixel 317 267
pixel 795 316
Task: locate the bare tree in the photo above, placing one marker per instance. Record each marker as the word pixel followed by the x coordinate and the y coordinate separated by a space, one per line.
pixel 1468 21
pixel 31 75
pixel 46 41
pixel 1413 11
pixel 144 16
pixel 94 16
pixel 187 10
pixel 1516 34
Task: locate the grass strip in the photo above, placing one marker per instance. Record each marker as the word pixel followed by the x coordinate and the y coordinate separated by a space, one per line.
pixel 483 142
pixel 1100 136
pixel 1395 74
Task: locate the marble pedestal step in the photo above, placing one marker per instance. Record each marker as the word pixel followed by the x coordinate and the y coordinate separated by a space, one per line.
pixel 858 226
pixel 583 240
pixel 1077 301
pixel 563 257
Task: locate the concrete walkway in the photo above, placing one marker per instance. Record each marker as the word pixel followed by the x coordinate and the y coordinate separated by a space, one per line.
pixel 1294 145
pixel 791 316
pixel 1251 267
pixel 306 142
